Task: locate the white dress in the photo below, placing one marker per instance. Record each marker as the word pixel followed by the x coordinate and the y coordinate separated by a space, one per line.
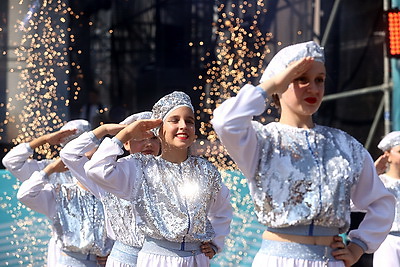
pixel 176 202
pixel 77 216
pixel 120 216
pixel 18 163
pixel 303 177
pixel 388 254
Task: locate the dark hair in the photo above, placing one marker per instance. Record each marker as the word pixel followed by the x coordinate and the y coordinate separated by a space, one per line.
pixel 275 101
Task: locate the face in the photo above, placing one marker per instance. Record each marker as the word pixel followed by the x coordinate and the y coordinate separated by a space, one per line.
pixel 150 146
pixel 394 156
pixel 304 95
pixel 178 129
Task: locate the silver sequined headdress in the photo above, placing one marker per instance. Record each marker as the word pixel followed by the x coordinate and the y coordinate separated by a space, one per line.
pixel 392 139
pixel 81 126
pixel 291 54
pixel 145 115
pixel 169 103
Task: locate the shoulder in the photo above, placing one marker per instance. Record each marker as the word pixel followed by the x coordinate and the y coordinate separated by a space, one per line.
pixel 343 140
pixel 204 163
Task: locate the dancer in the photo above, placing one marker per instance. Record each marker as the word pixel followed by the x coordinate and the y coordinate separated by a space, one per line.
pixel 19 162
pixel 388 254
pixel 302 175
pixel 182 203
pixel 120 215
pixel 77 217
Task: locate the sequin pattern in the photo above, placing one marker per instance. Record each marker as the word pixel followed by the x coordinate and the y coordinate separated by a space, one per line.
pixel 305 175
pixel 79 221
pixel 173 199
pixel 122 219
pixel 393 185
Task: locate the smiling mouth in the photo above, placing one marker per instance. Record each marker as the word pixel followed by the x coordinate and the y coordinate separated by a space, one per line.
pixel 182 136
pixel 311 100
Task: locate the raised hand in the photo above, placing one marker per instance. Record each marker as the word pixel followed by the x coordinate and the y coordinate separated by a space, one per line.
pixel 381 163
pixel 138 130
pixel 280 82
pixel 108 129
pixel 54 138
pixel 55 166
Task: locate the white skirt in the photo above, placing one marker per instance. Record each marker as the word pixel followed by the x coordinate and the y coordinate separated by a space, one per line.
pixel 388 254
pixel 162 253
pixel 287 254
pixel 154 260
pixel 53 252
pixel 122 255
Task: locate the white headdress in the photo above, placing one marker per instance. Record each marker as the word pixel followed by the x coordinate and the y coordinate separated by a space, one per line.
pixel 291 54
pixel 137 116
pixel 81 126
pixel 163 107
pixel 392 139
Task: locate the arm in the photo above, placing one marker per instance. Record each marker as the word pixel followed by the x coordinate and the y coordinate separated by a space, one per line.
pixel 233 123
pixel 232 119
pixel 220 216
pixel 75 153
pixel 19 164
pixel 116 177
pixel 379 205
pixel 17 159
pixel 38 194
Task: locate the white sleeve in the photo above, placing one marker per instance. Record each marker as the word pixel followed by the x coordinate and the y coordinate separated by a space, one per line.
pixel 220 216
pixel 370 194
pixel 18 163
pixel 232 122
pixel 38 194
pixel 116 177
pixel 73 156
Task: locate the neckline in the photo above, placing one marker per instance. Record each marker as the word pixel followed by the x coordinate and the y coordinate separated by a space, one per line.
pixel 294 128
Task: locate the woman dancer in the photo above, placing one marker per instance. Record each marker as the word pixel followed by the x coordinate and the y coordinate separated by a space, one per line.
pixel 120 215
pixel 76 216
pixel 302 175
pixel 389 251
pixel 180 198
pixel 19 162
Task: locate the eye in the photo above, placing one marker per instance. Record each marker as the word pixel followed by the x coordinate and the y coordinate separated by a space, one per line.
pixel 189 121
pixel 302 80
pixel 320 80
pixel 173 120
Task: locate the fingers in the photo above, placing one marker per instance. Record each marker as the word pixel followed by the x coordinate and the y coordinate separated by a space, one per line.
pixel 207 250
pixel 302 65
pixel 150 124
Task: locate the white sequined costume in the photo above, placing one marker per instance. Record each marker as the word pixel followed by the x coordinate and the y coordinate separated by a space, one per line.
pixel 388 254
pixel 303 176
pixel 181 203
pixel 119 213
pixel 21 166
pixel 77 216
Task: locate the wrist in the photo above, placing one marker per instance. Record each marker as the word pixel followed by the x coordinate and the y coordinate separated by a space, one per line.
pixel 356 250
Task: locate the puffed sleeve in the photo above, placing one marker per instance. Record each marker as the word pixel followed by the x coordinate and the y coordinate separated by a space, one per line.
pixel 115 176
pixel 38 194
pixel 232 122
pixel 220 216
pixel 18 163
pixel 73 156
pixel 370 194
